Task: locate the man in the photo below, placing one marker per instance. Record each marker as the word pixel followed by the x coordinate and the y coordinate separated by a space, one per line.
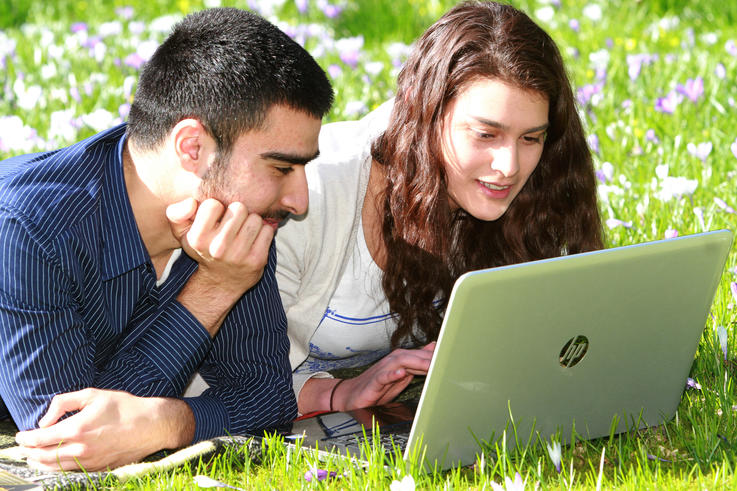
pixel 102 319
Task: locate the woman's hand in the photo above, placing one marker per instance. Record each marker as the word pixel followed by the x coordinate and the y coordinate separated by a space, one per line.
pixel 379 384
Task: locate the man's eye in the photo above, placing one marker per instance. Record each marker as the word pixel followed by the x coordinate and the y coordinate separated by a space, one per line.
pixel 285 170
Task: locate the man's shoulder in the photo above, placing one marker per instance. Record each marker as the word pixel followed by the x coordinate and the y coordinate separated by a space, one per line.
pixel 55 188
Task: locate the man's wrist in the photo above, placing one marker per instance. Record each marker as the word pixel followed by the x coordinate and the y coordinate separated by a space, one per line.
pixel 207 300
pixel 177 422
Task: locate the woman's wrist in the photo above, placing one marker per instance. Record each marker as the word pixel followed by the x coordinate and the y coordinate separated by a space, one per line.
pixel 315 395
pixel 332 406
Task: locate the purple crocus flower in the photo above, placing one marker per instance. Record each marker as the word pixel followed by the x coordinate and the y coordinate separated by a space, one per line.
pixel 137 27
pixel 134 60
pixel 124 109
pixel 587 92
pixel 700 151
pixel 91 42
pixel 671 233
pixel 319 474
pixel 125 12
pixel 634 65
pixel 349 50
pixel 78 27
pixel 335 71
pixel 593 141
pixel 615 222
pixel 731 47
pixel 723 205
pixel 660 459
pixel 606 173
pixel 733 288
pixel 720 71
pixel 669 103
pixel 693 88
pixel 74 92
pixel 574 25
pixel 692 384
pixel 302 5
pixel 331 11
pixel 651 136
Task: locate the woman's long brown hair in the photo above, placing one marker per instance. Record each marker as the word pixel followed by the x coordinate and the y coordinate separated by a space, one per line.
pixel 428 245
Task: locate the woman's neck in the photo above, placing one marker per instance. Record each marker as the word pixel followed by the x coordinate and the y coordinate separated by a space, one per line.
pixel 372 215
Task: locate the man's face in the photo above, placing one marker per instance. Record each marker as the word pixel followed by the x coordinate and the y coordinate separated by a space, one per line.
pixel 265 170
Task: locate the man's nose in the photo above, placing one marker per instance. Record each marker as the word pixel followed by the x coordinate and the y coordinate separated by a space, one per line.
pixel 296 196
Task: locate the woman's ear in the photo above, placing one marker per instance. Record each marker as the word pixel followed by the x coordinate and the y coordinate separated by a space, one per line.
pixel 192 145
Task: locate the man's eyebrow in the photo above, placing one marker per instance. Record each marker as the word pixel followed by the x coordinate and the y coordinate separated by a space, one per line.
pixel 504 127
pixel 290 158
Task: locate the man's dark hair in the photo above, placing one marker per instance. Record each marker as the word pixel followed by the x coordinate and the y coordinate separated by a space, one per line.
pixel 224 67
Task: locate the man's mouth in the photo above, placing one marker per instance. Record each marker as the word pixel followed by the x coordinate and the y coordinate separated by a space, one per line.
pixel 274 219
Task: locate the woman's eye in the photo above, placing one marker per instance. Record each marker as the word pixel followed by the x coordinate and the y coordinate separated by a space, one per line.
pixel 534 139
pixel 484 135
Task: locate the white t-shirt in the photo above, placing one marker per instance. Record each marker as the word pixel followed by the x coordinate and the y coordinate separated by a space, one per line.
pixel 356 328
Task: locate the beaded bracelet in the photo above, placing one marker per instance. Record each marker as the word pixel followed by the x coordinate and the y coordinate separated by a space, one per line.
pixel 332 392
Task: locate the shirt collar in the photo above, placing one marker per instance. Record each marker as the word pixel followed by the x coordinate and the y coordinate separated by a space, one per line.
pixel 122 248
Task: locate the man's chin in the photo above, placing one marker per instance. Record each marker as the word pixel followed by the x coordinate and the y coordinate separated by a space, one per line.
pixel 272 222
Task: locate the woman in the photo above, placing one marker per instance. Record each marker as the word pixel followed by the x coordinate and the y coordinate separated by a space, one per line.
pixel 481 161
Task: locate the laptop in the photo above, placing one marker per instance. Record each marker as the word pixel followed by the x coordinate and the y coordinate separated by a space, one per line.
pixel 597 343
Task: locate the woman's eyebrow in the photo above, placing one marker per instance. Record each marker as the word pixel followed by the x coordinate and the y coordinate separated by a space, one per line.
pixel 504 127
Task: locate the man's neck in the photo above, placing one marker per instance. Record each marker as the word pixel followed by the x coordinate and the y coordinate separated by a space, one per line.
pixel 148 204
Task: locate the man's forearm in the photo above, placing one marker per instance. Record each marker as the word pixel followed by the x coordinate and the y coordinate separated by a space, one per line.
pixel 207 301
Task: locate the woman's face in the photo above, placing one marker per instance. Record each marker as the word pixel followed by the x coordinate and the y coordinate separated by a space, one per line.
pixel 492 139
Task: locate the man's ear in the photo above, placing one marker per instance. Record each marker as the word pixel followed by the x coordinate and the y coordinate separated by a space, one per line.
pixel 193 146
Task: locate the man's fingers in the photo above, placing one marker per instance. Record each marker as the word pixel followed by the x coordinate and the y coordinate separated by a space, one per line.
pixel 54 457
pixel 259 250
pixel 62 404
pixel 50 436
pixel 232 222
pixel 181 215
pixel 205 224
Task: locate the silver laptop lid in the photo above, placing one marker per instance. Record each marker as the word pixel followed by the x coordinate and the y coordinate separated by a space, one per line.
pixel 568 341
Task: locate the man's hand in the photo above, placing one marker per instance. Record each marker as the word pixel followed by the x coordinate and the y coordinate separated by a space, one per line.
pixel 379 384
pixel 231 247
pixel 110 429
pixel 229 243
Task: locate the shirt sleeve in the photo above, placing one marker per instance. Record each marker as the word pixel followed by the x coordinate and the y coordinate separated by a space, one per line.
pixel 52 320
pixel 247 370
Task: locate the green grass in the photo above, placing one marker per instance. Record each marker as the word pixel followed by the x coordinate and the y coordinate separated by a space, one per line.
pixel 688 40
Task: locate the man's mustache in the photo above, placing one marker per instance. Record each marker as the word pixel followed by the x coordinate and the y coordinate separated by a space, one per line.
pixel 279 215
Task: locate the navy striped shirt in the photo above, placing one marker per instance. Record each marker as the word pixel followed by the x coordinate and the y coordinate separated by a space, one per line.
pixel 79 304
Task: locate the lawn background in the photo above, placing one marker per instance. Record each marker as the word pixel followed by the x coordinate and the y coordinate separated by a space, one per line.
pixel 667 166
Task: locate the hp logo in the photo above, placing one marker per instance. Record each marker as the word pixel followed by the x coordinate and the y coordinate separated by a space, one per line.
pixel 573 351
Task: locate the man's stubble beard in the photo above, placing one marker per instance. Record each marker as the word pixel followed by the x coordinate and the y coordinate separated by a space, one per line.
pixel 214 185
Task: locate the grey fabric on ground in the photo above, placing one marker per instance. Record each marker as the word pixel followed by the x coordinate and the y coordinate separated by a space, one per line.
pixel 160 461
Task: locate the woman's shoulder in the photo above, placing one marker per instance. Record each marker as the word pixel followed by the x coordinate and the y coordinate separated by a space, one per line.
pixel 337 179
pixel 345 142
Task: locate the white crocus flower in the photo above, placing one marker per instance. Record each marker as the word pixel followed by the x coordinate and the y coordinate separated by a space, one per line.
pixel 406 484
